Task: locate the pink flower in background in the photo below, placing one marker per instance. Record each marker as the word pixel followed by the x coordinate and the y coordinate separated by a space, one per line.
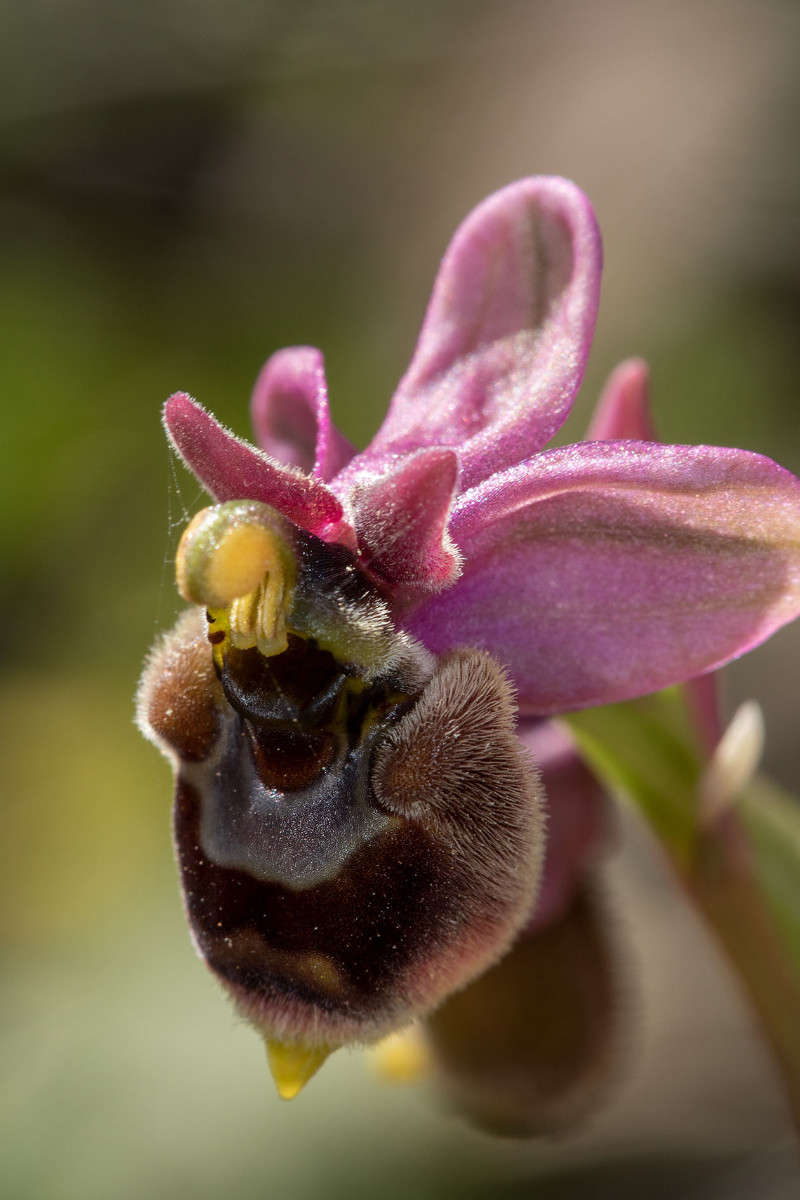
pixel 590 573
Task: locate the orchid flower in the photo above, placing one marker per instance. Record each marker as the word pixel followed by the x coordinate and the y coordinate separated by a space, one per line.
pixel 374 639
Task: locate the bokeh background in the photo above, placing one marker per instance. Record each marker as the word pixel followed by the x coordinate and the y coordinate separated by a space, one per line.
pixel 185 187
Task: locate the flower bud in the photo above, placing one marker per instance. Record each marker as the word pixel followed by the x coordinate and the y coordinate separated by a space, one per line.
pixel 525 1049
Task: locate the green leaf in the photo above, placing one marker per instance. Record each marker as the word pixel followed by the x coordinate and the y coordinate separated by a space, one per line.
pixel 742 872
pixel 646 749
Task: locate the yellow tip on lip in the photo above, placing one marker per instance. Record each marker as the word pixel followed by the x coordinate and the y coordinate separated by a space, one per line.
pixel 293 1064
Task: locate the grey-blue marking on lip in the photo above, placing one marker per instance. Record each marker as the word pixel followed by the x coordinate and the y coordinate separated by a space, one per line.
pixel 298 838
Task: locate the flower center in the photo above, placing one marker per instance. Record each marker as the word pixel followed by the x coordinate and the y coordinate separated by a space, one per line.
pixel 237 560
pixel 262 579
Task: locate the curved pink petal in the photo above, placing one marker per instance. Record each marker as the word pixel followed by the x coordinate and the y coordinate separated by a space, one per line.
pixel 507 332
pixel 290 414
pixel 401 518
pixel 231 469
pixel 606 570
pixel 623 410
pixel 578 819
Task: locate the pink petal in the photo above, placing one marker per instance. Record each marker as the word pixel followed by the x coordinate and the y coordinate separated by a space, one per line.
pixel 290 414
pixel 401 521
pixel 606 570
pixel 623 410
pixel 507 332
pixel 578 819
pixel 231 469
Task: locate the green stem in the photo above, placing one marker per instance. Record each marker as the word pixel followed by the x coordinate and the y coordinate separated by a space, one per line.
pixel 743 874
pixel 722 885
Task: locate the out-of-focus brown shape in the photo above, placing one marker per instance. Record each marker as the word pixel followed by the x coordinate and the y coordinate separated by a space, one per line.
pixel 528 1046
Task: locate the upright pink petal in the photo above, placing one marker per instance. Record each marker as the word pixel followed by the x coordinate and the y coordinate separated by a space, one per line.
pixel 606 570
pixel 623 410
pixel 290 414
pixel 231 469
pixel 401 521
pixel 507 332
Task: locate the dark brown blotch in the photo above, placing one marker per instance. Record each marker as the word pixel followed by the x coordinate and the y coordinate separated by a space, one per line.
pixel 389 908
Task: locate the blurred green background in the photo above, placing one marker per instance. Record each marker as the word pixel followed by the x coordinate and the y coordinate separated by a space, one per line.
pixel 184 188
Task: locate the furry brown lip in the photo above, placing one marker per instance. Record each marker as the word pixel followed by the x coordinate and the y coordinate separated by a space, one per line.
pixel 357 826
